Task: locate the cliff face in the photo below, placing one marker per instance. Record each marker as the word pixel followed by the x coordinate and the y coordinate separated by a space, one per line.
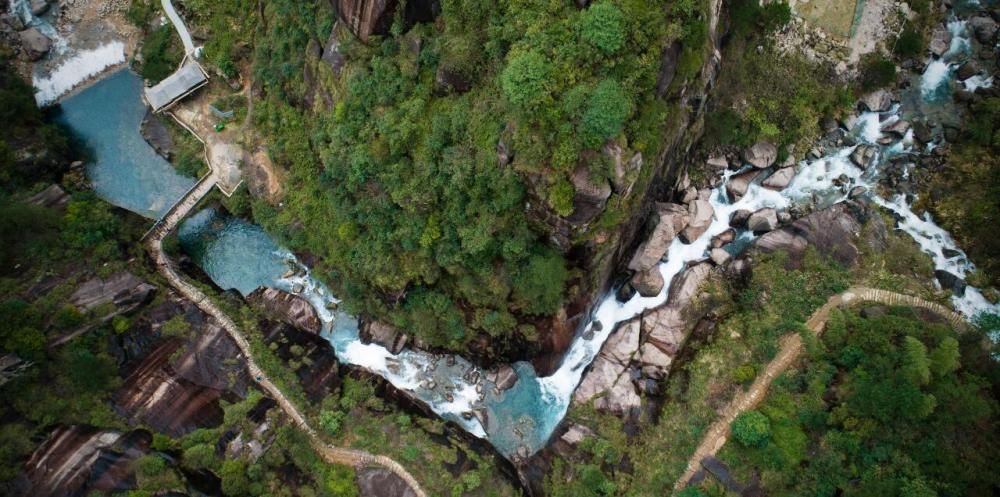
pixel 607 252
pixel 367 18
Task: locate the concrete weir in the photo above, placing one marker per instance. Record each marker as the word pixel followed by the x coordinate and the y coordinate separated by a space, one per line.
pixel 184 81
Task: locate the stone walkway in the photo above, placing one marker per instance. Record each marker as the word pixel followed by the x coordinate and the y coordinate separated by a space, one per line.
pixel 791 347
pixel 154 243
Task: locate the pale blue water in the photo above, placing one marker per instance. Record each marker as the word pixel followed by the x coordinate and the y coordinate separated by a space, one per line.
pixel 126 171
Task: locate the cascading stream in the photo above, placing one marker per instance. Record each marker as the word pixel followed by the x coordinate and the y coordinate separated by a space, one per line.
pixel 520 420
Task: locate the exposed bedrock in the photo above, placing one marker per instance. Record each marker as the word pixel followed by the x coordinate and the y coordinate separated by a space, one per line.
pixel 81 460
pixel 367 18
pixel 287 308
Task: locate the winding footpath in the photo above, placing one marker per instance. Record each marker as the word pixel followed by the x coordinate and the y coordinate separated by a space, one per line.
pixel 178 23
pixel 166 267
pixel 791 348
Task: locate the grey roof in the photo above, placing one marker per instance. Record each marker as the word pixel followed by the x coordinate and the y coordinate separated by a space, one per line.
pixel 175 86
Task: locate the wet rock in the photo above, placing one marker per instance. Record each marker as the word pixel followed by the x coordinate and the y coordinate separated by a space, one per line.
pixel 739 218
pixel 381 482
pixel 385 335
pixel 967 70
pixel 39 7
pixel 761 155
pixel 738 185
pixel 82 460
pixel 856 192
pixel 366 18
pixel 784 217
pixel 922 132
pixel 724 238
pixel 940 41
pixel 828 124
pixel 590 195
pixel 701 213
pixel 625 293
pixel 898 128
pixel 950 282
pixel 288 308
pixel 985 29
pixel 121 289
pixel 503 377
pixel 780 179
pixel 877 101
pixel 763 220
pixel 719 256
pixel 649 282
pixel 35 44
pixel 668 65
pixel 672 219
pixel 950 253
pixel 53 197
pixel 863 155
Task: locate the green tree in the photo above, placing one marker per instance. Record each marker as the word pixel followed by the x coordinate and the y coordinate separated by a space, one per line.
pixel 525 79
pixel 916 365
pixel 538 286
pixel 945 358
pixel 603 26
pixel 604 117
pixel 752 429
pixel 27 343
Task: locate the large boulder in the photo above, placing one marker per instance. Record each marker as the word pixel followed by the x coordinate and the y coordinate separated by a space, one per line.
pixel 723 239
pixel 623 342
pixel 738 185
pixel 951 282
pixel 383 334
pixel 940 41
pixel 53 197
pixel 35 44
pixel 985 29
pixel 763 220
pixel 780 179
pixel 671 220
pixel 503 377
pixel 288 308
pixel 833 231
pixel 701 213
pixel 600 377
pixel 877 101
pixel 649 282
pixel 761 155
pixel 862 156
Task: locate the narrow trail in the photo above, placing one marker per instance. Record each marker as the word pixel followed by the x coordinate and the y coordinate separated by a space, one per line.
pixel 791 348
pixel 154 243
pixel 178 23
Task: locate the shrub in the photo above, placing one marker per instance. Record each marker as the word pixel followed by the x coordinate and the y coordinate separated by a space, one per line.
pixel 603 26
pixel 752 429
pixel 160 54
pixel 744 374
pixel 910 43
pixel 538 286
pixel 524 79
pixel 877 72
pixel 607 109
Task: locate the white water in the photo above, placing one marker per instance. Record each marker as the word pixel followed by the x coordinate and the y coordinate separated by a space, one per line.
pixel 77 69
pixel 937 76
pixel 814 182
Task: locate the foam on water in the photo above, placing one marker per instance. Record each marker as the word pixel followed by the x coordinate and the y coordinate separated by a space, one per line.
pixel 77 69
pixel 935 82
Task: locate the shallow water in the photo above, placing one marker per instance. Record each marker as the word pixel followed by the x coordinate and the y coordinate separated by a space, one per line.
pixel 126 171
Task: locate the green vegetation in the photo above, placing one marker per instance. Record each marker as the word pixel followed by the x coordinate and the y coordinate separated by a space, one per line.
pixel 775 302
pixel 968 199
pixel 764 95
pixel 412 218
pixel 752 429
pixel 883 406
pixel 161 53
pixel 877 72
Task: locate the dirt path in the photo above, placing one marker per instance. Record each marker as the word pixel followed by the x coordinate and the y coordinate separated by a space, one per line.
pixel 791 347
pixel 154 243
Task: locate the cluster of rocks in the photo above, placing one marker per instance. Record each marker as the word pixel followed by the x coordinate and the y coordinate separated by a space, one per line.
pixel 641 350
pixel 288 308
pixel 814 43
